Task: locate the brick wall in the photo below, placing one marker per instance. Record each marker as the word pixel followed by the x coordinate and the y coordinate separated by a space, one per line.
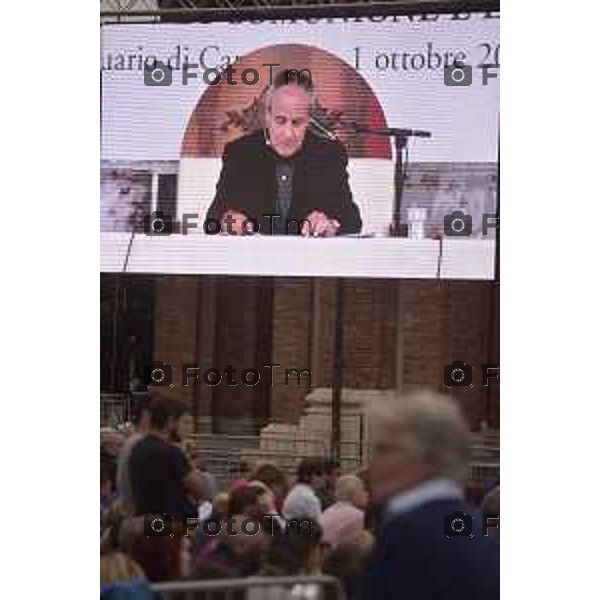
pixel 446 322
pixel 242 340
pixel 175 340
pixel 291 345
pixel 396 334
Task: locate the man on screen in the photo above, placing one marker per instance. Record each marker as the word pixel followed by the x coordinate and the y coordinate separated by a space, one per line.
pixel 286 178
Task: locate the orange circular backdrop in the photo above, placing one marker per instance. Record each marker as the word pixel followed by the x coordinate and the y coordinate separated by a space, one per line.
pixel 225 112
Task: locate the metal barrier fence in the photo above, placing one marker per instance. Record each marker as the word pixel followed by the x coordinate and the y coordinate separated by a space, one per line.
pixel 321 587
pixel 223 463
pixel 222 453
pixel 282 443
pixel 115 409
pixel 485 457
pixel 484 471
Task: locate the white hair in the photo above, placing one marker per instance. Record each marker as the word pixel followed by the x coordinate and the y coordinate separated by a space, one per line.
pixel 347 486
pixel 266 97
pixel 429 427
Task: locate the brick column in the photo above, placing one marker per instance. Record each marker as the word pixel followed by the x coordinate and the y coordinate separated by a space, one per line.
pixel 445 322
pixel 243 320
pixel 175 313
pixel 293 345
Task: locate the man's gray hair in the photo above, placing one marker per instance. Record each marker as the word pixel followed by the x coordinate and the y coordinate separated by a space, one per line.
pixel 429 427
pixel 289 77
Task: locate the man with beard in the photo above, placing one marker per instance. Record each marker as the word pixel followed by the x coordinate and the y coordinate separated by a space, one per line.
pixel 162 479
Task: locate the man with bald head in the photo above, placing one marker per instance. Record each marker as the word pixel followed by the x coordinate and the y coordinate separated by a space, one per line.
pixel 285 178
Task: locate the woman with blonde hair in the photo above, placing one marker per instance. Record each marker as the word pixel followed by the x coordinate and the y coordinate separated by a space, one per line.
pixel 121 578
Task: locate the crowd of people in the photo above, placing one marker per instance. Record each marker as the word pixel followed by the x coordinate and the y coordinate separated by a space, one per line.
pixel 392 530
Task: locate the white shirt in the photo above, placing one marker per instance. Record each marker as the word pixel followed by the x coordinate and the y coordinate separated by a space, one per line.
pixel 423 493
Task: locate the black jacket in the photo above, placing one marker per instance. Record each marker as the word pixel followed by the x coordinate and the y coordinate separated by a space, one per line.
pixel 320 182
pixel 414 558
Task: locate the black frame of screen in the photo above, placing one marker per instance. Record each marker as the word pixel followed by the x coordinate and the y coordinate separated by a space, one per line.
pixel 266 13
pixel 362 10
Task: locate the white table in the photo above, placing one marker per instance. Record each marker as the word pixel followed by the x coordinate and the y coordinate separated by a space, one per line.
pixel 113 250
pixel 396 258
pixel 467 259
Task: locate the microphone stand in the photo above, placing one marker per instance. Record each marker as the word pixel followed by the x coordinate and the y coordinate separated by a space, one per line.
pixel 400 140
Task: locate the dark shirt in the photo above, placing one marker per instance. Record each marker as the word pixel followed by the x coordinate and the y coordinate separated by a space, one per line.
pixel 221 562
pixel 327 498
pixel 157 470
pixel 284 171
pixel 317 173
pixel 414 558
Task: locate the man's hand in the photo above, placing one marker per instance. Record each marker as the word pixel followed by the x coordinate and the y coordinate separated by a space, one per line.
pixel 320 225
pixel 231 223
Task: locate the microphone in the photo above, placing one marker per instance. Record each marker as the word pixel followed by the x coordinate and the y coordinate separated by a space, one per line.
pixel 390 131
pixel 358 128
pixel 267 136
pixel 323 129
pixel 414 133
